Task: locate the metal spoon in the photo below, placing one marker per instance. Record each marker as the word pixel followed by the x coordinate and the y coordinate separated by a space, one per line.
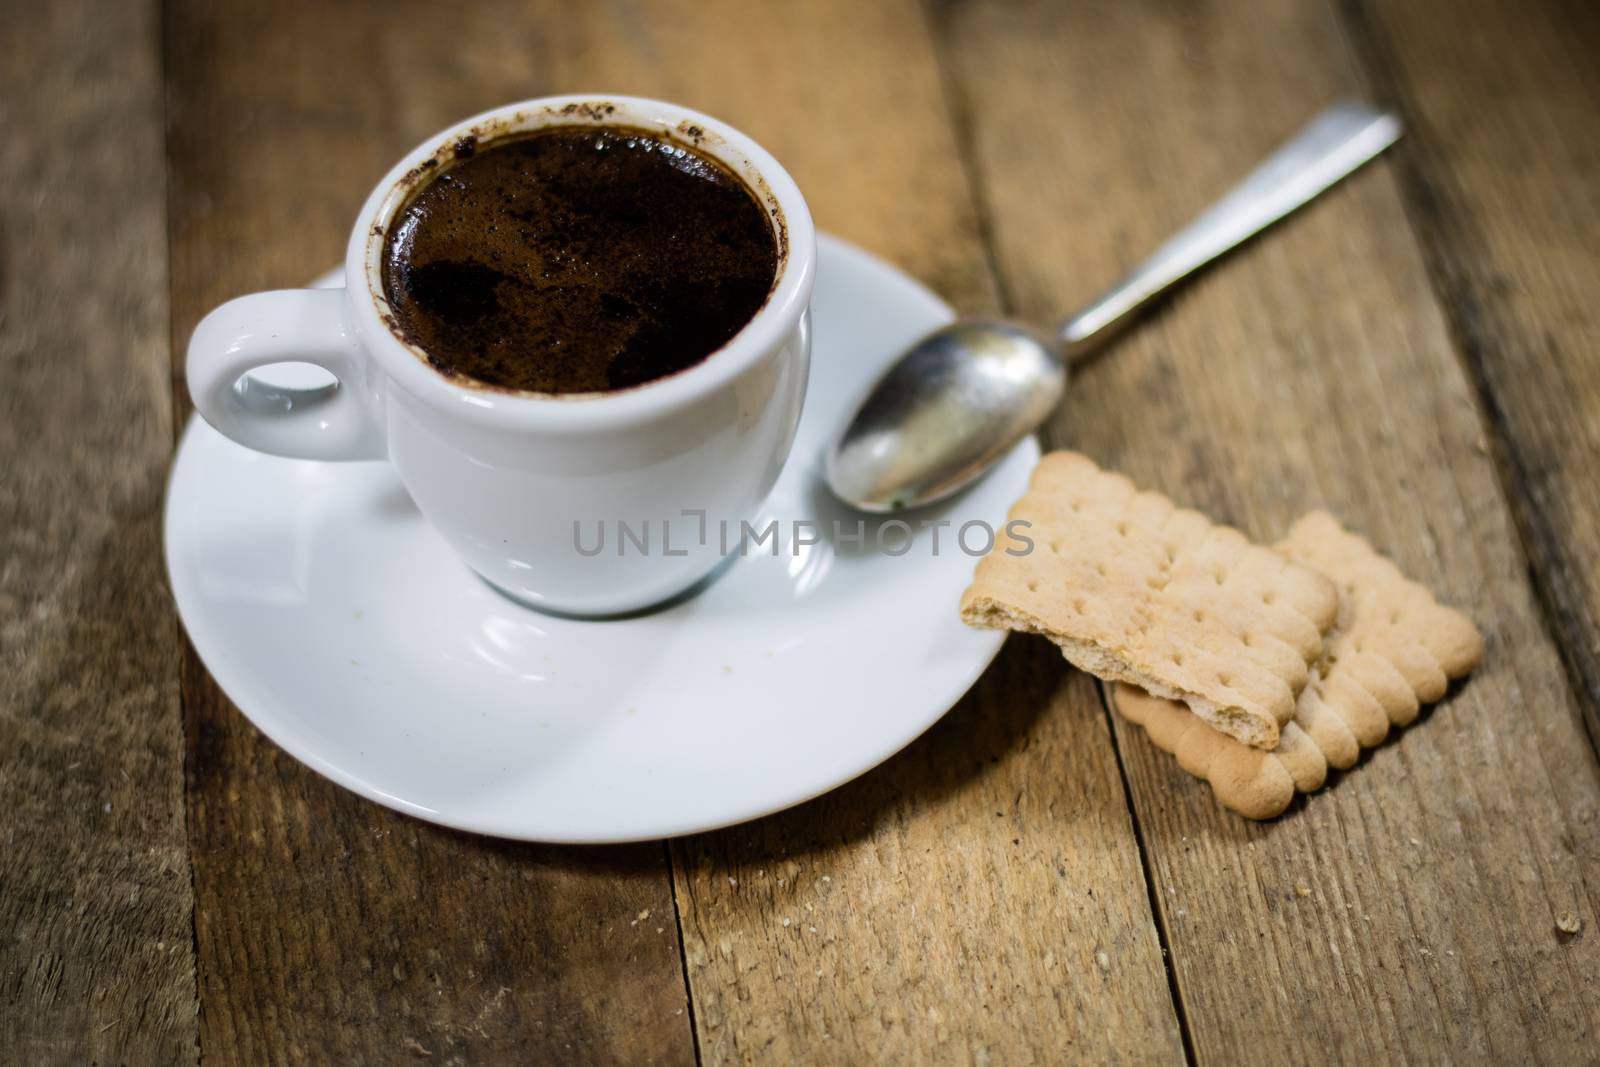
pixel 958 399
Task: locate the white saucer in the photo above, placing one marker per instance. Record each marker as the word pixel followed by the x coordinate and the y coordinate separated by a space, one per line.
pixel 333 616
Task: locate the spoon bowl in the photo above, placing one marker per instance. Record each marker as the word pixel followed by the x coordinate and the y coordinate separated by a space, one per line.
pixel 944 413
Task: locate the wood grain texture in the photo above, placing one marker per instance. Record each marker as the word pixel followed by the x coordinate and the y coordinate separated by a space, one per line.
pixel 1500 184
pixel 976 899
pixel 330 929
pixel 96 956
pixel 1409 911
pixel 980 896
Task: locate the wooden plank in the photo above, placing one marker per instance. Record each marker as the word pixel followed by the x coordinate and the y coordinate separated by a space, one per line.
pixel 96 958
pixel 955 902
pixel 329 929
pixel 1499 182
pixel 960 897
pixel 976 899
pixel 1409 911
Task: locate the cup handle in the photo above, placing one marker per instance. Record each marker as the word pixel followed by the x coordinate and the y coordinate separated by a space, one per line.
pixel 288 326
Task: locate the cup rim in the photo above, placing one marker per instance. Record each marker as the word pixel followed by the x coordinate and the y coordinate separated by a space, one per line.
pixel 408 366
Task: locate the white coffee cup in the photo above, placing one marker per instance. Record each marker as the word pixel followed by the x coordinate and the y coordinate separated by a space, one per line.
pixel 525 486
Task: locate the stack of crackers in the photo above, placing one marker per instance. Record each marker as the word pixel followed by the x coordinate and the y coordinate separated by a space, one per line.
pixel 1258 668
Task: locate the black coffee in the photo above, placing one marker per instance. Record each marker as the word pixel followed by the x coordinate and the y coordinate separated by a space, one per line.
pixel 577 259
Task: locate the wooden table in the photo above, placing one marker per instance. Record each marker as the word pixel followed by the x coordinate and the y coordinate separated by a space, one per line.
pixel 1030 881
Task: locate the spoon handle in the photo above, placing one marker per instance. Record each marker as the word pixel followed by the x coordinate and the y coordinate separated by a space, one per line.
pixel 1336 142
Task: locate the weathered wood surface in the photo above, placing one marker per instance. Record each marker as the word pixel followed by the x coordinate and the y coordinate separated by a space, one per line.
pixel 1500 186
pixel 329 929
pixel 987 894
pixel 1409 911
pixel 96 959
pixel 977 899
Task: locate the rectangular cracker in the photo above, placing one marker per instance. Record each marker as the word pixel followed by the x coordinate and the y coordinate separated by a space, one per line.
pixel 1392 649
pixel 1256 784
pixel 1135 589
